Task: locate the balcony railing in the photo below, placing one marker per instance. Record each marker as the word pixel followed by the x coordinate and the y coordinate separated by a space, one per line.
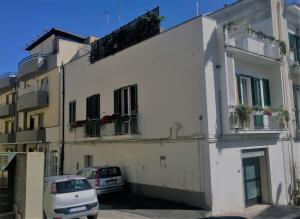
pixel 33 101
pixel 38 135
pixel 123 125
pixel 7 81
pixel 295 67
pixel 7 138
pixel 35 64
pixel 7 110
pixel 257 121
pixel 240 38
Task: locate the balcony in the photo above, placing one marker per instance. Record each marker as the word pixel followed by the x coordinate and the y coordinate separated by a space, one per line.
pixel 295 68
pixel 124 125
pixel 7 82
pixel 31 136
pixel 257 121
pixel 36 64
pixel 33 101
pixel 7 138
pixel 257 43
pixel 7 110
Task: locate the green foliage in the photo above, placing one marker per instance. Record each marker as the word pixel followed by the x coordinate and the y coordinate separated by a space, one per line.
pixel 283 115
pixel 243 111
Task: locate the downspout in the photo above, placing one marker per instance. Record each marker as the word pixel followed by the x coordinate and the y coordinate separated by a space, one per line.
pixel 62 153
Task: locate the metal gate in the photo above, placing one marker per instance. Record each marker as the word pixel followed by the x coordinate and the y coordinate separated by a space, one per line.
pixel 7 174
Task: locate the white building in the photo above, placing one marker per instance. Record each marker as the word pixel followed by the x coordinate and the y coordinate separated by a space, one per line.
pixel 197 114
pixel 174 110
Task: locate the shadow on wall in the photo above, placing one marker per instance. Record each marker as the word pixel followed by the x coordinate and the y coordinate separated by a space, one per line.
pixel 278 193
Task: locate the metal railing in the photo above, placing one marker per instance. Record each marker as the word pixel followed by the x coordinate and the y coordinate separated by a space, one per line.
pixel 9 74
pixel 5 159
pixel 123 125
pixel 257 121
pixel 238 37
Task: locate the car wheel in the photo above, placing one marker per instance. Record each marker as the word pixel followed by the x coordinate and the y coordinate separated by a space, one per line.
pixel 92 216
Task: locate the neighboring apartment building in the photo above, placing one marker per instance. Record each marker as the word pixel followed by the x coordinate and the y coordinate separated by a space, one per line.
pixel 196 114
pixel 7 109
pixel 37 122
pixel 293 18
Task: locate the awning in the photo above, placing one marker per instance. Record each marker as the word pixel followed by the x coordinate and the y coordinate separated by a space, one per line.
pixel 5 159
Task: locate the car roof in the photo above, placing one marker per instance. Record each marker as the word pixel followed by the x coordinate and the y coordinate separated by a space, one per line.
pixel 62 178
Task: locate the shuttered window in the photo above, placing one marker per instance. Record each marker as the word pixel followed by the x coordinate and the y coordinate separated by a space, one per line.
pixel 72 112
pixel 256 92
pixel 294 42
pixel 266 92
pixel 125 100
pixel 260 91
pixel 93 107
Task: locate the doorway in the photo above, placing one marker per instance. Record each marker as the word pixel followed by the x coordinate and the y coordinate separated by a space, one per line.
pixel 252 181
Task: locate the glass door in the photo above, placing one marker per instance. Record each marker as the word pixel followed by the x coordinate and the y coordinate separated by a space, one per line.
pixel 252 181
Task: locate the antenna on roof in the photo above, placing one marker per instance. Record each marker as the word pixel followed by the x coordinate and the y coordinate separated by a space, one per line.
pixel 121 12
pixel 197 8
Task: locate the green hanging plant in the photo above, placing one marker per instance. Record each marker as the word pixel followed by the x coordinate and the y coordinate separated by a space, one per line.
pixel 243 111
pixel 283 116
pixel 283 47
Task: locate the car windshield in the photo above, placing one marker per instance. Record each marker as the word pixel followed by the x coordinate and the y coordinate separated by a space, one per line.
pixel 72 185
pixel 110 172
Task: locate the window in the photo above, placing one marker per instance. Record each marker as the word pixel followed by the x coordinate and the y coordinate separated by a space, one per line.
pixel 92 128
pixel 93 107
pixel 126 106
pixel 253 91
pixel 294 47
pixel 31 123
pixel 6 127
pixel 7 99
pixel 41 120
pixel 125 101
pixel 88 161
pixel 44 84
pixel 72 112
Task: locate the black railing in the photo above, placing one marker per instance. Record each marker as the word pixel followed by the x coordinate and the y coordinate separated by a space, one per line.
pixel 122 125
pixel 92 128
pixel 37 55
pixel 138 30
pixel 8 74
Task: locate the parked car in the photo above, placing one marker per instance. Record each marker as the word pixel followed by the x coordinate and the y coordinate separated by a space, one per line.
pixel 69 197
pixel 104 179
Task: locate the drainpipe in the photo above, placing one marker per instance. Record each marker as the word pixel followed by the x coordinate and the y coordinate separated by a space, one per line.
pixel 62 153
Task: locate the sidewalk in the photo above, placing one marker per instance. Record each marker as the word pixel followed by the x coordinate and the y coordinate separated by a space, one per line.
pixel 255 212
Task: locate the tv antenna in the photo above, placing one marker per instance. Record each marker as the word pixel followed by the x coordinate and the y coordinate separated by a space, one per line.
pixel 121 12
pixel 197 8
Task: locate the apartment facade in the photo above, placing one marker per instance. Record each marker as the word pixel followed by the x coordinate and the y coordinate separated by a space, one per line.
pixel 198 113
pixel 34 97
pixel 293 18
pixel 202 113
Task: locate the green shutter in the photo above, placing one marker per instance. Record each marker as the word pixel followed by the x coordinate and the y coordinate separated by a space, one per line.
pixel 238 79
pixel 292 41
pixel 256 92
pixel 266 89
pixel 297 56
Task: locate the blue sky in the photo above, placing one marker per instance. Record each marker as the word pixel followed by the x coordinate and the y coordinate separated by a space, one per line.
pixel 23 20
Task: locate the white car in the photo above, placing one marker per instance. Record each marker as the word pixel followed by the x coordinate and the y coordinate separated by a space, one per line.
pixel 104 179
pixel 69 197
